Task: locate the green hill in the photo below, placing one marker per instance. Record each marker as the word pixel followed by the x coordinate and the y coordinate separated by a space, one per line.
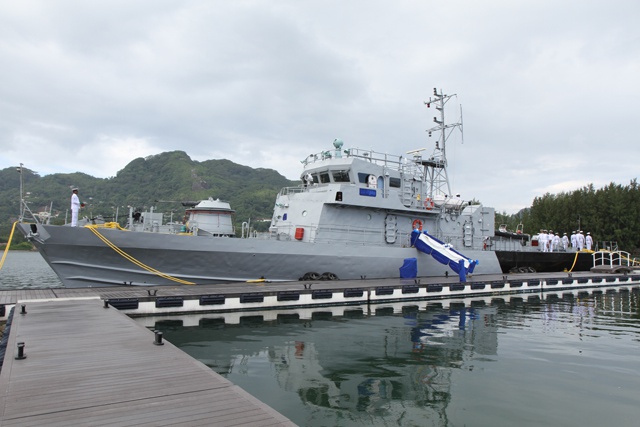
pixel 161 180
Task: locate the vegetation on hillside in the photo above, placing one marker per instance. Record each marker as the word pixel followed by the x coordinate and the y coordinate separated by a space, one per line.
pixel 162 181
pixel 611 213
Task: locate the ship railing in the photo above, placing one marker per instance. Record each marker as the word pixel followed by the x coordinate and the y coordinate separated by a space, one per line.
pixel 291 190
pixel 613 259
pixel 317 188
pixel 606 246
pixel 390 161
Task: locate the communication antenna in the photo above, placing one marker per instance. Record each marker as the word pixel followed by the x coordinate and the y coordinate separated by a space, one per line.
pixel 436 165
pixel 23 203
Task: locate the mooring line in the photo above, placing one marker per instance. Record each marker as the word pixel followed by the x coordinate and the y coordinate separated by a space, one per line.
pixel 131 259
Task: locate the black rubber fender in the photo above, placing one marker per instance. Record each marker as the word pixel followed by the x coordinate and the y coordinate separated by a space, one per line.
pixel 311 276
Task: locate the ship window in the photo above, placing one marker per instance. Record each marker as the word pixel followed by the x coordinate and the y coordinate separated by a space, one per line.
pixel 309 178
pixel 340 176
pixel 394 182
pixel 363 178
pixel 324 177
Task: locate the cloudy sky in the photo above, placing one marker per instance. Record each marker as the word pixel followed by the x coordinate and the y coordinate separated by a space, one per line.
pixel 550 90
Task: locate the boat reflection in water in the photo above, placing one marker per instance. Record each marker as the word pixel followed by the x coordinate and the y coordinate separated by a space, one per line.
pixel 493 361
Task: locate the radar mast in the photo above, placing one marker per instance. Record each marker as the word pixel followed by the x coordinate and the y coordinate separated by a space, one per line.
pixel 436 165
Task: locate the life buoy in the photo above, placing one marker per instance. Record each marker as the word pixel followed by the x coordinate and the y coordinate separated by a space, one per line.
pixel 417 224
pixel 428 203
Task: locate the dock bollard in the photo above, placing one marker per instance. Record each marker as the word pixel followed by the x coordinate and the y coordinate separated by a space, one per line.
pixel 158 340
pixel 23 309
pixel 21 354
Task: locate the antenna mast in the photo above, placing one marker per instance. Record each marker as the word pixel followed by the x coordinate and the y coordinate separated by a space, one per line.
pixel 436 165
pixel 22 202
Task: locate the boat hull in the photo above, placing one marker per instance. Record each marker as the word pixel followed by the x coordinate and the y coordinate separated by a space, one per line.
pixel 81 259
pixel 544 262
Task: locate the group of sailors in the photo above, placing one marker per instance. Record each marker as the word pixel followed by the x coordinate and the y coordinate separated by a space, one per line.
pixel 550 242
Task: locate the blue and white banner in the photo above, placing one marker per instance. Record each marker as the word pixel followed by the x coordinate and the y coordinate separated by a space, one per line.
pixel 443 253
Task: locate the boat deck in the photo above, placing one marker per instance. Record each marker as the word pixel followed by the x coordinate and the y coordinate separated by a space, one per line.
pixel 90 365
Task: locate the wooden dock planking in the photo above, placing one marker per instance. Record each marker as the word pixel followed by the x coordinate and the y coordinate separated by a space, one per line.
pixel 87 365
pixel 13 295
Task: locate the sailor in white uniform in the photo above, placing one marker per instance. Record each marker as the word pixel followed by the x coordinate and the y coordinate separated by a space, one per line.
pixel 580 240
pixel 308 179
pixel 589 241
pixel 565 242
pixel 574 240
pixel 543 240
pixel 556 242
pixel 540 247
pixel 75 207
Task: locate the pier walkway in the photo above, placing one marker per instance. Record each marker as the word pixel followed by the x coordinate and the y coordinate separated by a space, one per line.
pixel 86 364
pixel 237 297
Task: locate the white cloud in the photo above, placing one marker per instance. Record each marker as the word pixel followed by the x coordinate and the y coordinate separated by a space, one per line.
pixel 549 89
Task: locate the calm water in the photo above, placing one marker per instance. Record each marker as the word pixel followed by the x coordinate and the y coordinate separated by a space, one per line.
pixel 27 270
pixel 571 360
pixel 564 360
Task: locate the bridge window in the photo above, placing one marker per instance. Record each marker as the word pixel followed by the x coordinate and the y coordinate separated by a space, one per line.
pixel 394 182
pixel 340 176
pixel 324 177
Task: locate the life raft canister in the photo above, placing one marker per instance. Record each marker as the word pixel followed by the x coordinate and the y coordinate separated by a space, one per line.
pixel 428 203
pixel 417 224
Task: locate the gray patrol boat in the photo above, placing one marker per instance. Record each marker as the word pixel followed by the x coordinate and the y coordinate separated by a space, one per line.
pixel 352 217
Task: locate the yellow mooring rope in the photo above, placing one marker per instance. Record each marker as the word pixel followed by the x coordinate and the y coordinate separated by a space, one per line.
pixel 128 257
pixel 6 250
pixel 576 257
